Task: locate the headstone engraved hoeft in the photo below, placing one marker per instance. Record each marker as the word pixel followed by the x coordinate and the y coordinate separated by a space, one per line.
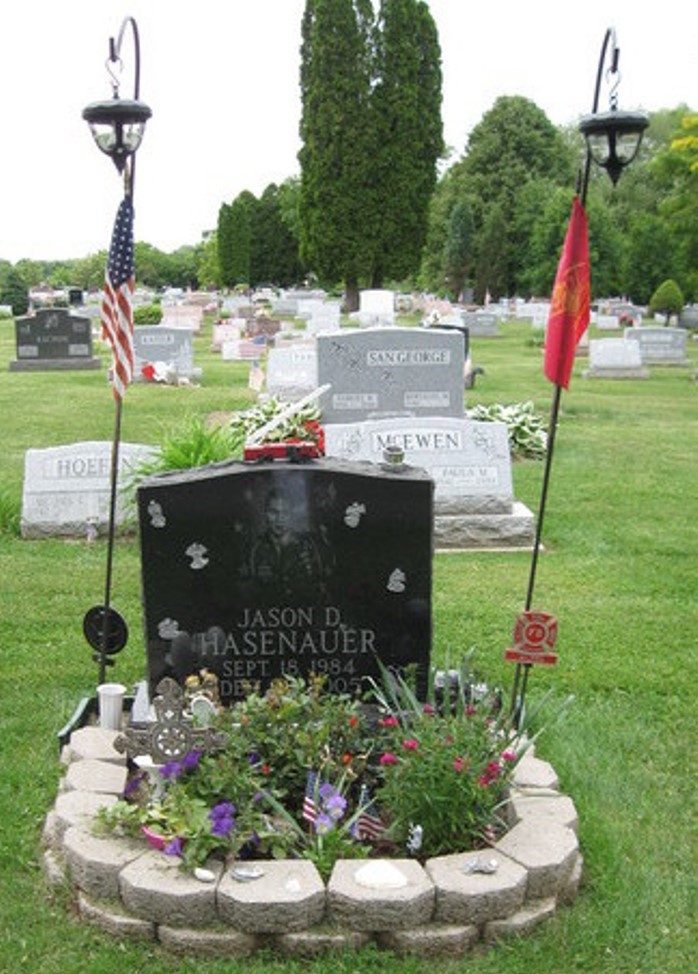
pixel 66 489
pixel 254 571
pixel 53 339
pixel 379 372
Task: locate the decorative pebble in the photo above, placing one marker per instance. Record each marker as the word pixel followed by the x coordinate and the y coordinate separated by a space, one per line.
pixel 380 875
pixel 481 865
pixel 245 874
pixel 204 875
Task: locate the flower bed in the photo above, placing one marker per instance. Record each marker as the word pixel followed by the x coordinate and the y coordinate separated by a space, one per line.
pixel 300 773
pixel 446 906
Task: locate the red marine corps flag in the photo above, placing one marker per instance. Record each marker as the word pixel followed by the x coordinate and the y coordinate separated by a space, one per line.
pixel 117 300
pixel 569 308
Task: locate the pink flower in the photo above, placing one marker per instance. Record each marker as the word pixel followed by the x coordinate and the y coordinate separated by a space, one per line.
pixel 509 756
pixel 388 722
pixel 459 765
pixel 428 709
pixel 410 744
pixel 470 711
pixel 388 758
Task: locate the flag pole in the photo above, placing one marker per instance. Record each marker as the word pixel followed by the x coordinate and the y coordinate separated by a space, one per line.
pixel 129 177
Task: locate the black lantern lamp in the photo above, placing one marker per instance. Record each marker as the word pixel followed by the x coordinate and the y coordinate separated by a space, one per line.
pixel 614 137
pixel 117 125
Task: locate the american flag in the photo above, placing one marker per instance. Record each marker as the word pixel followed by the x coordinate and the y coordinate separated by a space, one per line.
pixel 309 812
pixel 117 300
pixel 369 824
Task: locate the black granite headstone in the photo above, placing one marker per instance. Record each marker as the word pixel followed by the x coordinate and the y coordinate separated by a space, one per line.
pixel 258 570
pixel 53 339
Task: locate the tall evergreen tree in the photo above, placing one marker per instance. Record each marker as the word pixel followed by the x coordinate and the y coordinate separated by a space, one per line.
pixel 408 133
pixel 336 210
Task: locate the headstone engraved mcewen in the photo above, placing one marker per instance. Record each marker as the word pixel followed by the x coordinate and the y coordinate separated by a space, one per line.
pixel 53 339
pixel 254 571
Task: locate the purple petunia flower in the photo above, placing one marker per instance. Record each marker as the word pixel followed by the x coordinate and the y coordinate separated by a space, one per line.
pixel 222 826
pixel 172 770
pixel 191 760
pixel 175 847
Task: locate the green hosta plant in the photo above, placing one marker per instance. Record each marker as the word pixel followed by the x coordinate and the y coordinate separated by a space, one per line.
pixel 527 433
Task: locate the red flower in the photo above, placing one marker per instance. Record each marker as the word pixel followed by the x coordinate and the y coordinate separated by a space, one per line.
pixel 509 756
pixel 346 758
pixel 388 722
pixel 470 710
pixel 428 709
pixel 410 744
pixel 388 758
pixel 266 769
pixel 459 765
pixel 353 721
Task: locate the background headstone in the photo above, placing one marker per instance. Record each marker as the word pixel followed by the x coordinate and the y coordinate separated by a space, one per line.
pixel 660 346
pixel 614 358
pixel 53 339
pixel 379 372
pixel 253 571
pixel 292 371
pixel 67 489
pixel 158 343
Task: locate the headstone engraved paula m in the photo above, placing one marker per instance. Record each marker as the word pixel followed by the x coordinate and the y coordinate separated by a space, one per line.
pixel 53 339
pixel 256 571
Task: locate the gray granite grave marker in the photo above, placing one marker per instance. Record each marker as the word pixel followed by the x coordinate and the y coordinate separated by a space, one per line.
pixel 158 343
pixel 53 339
pixel 66 489
pixel 470 463
pixel 614 358
pixel 659 346
pixel 292 371
pixel 380 372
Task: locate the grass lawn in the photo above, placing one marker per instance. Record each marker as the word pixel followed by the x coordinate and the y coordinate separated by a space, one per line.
pixel 619 570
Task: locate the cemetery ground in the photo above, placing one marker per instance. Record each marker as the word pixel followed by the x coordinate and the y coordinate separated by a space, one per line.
pixel 619 570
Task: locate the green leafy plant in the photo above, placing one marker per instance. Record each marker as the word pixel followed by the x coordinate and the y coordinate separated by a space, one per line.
pixel 147 314
pixel 527 433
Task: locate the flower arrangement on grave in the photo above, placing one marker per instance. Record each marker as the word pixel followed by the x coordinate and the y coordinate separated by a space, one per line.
pixel 305 773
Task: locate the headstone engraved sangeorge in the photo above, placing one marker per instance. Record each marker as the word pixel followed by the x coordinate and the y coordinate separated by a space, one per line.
pixel 67 489
pixel 53 339
pixel 254 571
pixel 379 372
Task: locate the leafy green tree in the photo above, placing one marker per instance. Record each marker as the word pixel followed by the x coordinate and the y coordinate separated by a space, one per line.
pixel 407 132
pixel 273 247
pixel 512 145
pixel 667 299
pixel 224 248
pixel 207 271
pixel 337 212
pixel 458 247
pixel 650 256
pixel 239 236
pixel 14 291
pixel 677 167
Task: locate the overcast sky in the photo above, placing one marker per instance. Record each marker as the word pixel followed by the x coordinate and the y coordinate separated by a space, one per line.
pixel 221 77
